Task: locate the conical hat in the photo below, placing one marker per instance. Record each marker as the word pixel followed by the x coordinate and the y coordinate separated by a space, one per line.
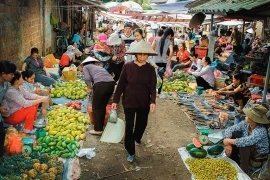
pixel 142 47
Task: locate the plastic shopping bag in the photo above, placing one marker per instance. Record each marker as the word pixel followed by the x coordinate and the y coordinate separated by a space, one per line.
pixel 14 144
pixel 159 80
pixel 113 116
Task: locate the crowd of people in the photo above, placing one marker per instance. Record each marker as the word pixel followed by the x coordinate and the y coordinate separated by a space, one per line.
pixel 132 67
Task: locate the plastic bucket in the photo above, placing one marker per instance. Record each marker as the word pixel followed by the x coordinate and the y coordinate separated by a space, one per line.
pixel 91 116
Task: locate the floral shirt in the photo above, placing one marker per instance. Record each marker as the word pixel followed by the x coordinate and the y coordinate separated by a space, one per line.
pixel 258 136
pixel 18 99
pixel 119 51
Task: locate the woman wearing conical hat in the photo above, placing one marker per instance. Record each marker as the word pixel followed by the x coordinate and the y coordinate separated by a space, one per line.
pixel 137 83
pixel 248 138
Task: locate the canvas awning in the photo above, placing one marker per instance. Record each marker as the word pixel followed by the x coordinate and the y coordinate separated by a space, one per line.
pixel 223 7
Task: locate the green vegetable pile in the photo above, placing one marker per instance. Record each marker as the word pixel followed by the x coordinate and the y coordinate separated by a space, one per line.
pixel 182 77
pixel 60 146
pixel 36 166
pixel 211 169
pixel 176 86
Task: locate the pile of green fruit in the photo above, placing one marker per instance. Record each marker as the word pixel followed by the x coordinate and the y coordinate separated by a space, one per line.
pixel 199 152
pixel 209 168
pixel 176 86
pixel 182 76
pixel 35 166
pixel 72 90
pixel 60 146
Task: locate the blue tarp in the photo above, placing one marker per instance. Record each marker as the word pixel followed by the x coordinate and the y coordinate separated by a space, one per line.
pixel 178 7
pixel 64 100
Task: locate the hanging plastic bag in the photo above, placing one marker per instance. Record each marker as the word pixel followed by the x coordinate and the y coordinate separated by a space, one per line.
pixel 53 20
pixel 14 144
pixel 159 80
pixel 169 71
pixel 112 116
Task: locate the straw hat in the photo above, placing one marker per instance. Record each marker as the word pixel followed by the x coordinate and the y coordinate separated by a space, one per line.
pixel 121 27
pixel 251 31
pixel 257 113
pixel 114 39
pixel 142 47
pixel 90 59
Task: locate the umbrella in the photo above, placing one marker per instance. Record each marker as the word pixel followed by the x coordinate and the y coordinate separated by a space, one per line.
pixel 197 20
pixel 111 4
pixel 132 6
pixel 118 8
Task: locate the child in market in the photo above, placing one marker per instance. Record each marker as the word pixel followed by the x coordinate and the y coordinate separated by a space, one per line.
pixel 29 85
pixel 7 70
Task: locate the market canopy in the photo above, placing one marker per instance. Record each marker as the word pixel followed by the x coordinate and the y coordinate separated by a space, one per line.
pixel 228 6
pixel 230 23
pixel 92 4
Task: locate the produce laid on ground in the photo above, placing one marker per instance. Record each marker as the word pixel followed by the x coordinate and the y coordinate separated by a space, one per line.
pixel 176 86
pixel 211 169
pixel 65 128
pixel 42 167
pixel 196 150
pixel 182 76
pixel 75 104
pixel 72 90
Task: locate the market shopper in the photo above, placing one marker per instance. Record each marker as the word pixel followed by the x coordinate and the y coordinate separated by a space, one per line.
pixel 102 84
pixel 35 63
pixel 238 90
pixel 22 104
pixel 248 138
pixel 182 58
pixel 30 86
pixel 102 44
pixel 7 70
pixel 137 83
pixel 161 45
pixel 204 78
pixel 118 52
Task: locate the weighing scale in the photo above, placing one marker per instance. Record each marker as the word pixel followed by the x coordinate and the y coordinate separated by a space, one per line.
pixel 27 148
pixel 40 124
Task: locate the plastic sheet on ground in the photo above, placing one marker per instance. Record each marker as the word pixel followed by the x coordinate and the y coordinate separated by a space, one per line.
pixel 240 174
pixel 215 136
pixel 72 168
pixel 63 100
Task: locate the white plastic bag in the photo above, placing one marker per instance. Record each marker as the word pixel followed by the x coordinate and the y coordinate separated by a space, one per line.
pixel 113 116
pixel 88 152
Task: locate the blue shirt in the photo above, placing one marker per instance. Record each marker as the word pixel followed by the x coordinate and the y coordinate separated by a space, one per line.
pixel 258 136
pixel 3 90
pixel 77 38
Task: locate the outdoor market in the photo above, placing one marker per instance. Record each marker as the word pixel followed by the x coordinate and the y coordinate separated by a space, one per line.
pixel 150 89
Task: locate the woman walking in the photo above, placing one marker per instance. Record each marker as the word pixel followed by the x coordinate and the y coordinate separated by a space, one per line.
pixel 161 45
pixel 137 83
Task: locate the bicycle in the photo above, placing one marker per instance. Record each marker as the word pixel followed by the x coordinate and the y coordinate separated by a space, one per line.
pixel 61 40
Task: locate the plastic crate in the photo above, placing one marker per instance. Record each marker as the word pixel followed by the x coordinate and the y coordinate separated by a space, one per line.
pixel 256 79
pixel 201 51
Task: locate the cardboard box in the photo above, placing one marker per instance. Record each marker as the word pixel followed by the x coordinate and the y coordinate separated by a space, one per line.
pixel 69 74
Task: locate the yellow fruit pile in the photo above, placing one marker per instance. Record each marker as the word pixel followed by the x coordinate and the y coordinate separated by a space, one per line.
pixel 209 168
pixel 72 90
pixel 66 122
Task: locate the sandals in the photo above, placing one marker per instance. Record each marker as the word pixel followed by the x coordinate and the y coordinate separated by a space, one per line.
pixel 93 132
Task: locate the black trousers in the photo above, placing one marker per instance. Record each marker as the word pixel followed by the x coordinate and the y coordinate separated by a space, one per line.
pixel 2 138
pixel 241 155
pixel 201 82
pixel 116 69
pixel 102 91
pixel 164 66
pixel 135 134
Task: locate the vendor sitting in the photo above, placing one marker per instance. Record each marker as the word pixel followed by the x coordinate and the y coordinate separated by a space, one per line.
pixel 205 77
pixel 248 138
pixel 238 89
pixel 67 59
pixel 196 65
pixel 35 63
pixel 182 58
pixel 22 104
